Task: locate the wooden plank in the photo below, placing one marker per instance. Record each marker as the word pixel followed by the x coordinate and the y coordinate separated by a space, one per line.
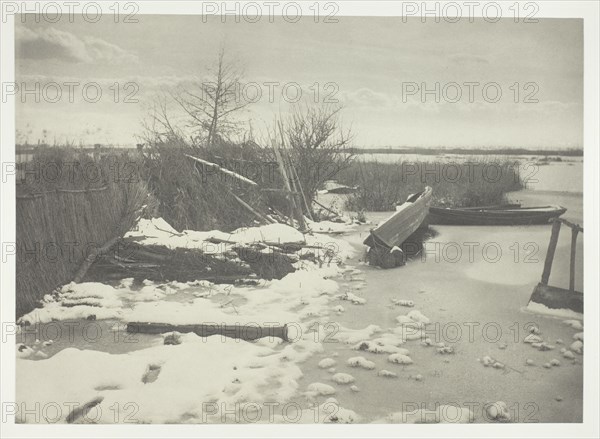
pixel 571 225
pixel 550 253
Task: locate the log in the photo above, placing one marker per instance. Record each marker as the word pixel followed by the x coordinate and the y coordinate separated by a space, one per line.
pixel 244 332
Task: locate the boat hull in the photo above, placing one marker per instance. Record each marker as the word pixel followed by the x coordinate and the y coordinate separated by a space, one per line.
pixel 494 217
pixel 403 223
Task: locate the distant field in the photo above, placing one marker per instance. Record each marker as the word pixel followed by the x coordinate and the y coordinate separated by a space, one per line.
pixel 575 152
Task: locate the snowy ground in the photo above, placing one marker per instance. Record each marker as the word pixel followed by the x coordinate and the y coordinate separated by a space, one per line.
pixel 434 341
pixel 81 330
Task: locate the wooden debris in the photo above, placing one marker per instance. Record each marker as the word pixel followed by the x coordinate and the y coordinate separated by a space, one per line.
pixel 223 170
pixel 243 332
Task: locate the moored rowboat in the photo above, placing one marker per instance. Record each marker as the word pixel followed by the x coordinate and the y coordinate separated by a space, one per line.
pixel 510 215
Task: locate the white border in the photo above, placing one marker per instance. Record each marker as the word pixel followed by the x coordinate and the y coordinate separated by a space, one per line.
pixel 588 10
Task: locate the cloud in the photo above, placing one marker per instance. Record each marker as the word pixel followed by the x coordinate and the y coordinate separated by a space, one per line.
pixel 366 97
pixel 467 58
pixel 50 43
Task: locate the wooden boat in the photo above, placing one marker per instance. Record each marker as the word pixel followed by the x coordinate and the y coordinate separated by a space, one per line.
pixel 404 222
pixel 508 215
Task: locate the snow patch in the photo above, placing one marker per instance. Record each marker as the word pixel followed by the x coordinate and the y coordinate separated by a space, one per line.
pixel 360 362
pixel 400 359
pixel 343 378
pixel 319 389
pixel 326 363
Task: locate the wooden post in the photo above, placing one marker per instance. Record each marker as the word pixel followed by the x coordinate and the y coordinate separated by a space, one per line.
pixel 307 207
pixel 574 232
pixel 326 208
pixel 250 209
pixel 295 210
pixel 286 183
pixel 294 179
pixel 550 253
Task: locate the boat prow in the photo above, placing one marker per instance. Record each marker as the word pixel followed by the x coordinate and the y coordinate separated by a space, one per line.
pixel 387 237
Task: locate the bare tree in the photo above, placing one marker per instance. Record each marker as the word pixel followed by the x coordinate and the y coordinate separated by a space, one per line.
pixel 158 127
pixel 211 104
pixel 318 145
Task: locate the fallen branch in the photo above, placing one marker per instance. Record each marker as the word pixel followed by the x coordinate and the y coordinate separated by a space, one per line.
pixel 91 257
pixel 223 170
pixel 327 208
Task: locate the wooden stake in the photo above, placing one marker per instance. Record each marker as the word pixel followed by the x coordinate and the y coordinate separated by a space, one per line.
pixel 295 211
pixel 294 180
pixel 250 209
pixel 286 183
pixel 574 232
pixel 302 194
pixel 327 208
pixel 550 253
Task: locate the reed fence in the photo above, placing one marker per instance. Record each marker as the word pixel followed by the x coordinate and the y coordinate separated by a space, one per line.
pixel 59 223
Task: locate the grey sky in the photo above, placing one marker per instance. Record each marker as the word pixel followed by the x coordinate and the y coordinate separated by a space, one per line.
pixel 370 60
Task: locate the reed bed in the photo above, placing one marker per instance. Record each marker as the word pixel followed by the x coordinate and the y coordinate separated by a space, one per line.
pixel 473 182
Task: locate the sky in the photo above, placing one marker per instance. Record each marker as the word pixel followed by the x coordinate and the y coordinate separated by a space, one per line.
pixel 379 69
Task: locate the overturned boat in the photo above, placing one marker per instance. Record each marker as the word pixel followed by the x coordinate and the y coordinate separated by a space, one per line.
pixel 505 215
pixel 385 240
